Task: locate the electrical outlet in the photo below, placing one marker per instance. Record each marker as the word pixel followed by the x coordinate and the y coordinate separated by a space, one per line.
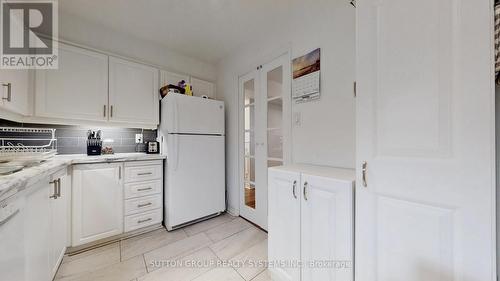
pixel 139 138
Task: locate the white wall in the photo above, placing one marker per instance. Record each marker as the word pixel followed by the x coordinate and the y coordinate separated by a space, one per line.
pixel 326 135
pixel 76 30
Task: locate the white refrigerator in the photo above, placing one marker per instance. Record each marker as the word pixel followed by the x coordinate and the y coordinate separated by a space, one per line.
pixel 191 134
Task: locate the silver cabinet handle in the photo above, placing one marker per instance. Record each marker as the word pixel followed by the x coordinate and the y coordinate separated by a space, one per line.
pixel 305 190
pixel 59 187
pixel 143 221
pixel 144 205
pixel 111 112
pixel 294 189
pixel 7 219
pixel 144 189
pixel 120 172
pixel 54 196
pixel 364 168
pixel 104 111
pixel 9 91
pixel 145 174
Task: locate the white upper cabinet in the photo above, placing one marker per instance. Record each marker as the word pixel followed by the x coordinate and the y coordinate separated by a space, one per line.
pixel 133 92
pixel 77 90
pixel 203 88
pixel 172 78
pixel 14 91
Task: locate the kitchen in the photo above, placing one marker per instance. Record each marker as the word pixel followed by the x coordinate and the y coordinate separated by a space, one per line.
pixel 248 140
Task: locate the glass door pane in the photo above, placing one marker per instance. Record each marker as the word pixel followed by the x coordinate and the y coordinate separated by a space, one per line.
pixel 275 117
pixel 249 145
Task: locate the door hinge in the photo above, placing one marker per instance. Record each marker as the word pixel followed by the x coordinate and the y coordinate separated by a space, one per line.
pixel 354 89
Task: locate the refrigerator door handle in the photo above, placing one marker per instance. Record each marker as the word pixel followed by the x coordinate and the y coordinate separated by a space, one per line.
pixel 175 152
pixel 176 116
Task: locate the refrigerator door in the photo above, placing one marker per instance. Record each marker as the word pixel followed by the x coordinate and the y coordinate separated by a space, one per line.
pixel 195 178
pixel 183 114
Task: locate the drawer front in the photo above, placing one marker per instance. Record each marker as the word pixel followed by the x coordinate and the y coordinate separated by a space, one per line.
pixel 143 163
pixel 143 204
pixel 138 189
pixel 134 222
pixel 143 173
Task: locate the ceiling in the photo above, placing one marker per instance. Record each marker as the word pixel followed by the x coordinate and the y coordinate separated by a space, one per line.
pixel 204 29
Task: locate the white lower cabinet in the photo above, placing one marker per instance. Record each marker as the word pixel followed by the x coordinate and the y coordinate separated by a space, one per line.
pixel 311 235
pixel 37 234
pixel 144 194
pixel 97 205
pixel 59 210
pixel 46 214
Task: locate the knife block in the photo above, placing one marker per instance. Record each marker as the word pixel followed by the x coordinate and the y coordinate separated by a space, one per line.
pixel 94 147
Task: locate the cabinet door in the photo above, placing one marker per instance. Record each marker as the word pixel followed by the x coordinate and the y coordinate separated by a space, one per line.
pixel 327 229
pixel 77 90
pixel 172 78
pixel 133 92
pixel 58 216
pixel 12 231
pixel 97 202
pixel 14 91
pixel 37 232
pixel 203 88
pixel 284 223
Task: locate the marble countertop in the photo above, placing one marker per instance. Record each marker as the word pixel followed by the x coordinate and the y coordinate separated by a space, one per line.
pixel 17 182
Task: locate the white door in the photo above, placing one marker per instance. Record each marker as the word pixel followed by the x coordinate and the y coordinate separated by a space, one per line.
pixel 133 92
pixel 14 91
pixel 97 202
pixel 265 126
pixel 195 179
pixel 37 231
pixel 425 128
pixel 192 115
pixel 284 223
pixel 58 224
pixel 78 89
pixel 327 229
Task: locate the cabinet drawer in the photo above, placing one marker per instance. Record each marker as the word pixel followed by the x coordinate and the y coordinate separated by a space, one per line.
pixel 134 222
pixel 143 204
pixel 143 173
pixel 138 189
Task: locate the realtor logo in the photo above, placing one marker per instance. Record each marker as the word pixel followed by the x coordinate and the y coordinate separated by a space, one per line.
pixel 29 34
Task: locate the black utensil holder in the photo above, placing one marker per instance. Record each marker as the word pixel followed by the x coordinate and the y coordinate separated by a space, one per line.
pixel 94 147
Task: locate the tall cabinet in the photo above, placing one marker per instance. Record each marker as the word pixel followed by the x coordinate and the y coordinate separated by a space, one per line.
pixel 311 221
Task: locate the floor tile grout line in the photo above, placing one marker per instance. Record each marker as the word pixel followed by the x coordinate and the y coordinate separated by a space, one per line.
pixel 215 242
pixel 161 246
pixel 217 225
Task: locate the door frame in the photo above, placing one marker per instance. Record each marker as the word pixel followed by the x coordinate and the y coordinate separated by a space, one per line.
pixel 283 59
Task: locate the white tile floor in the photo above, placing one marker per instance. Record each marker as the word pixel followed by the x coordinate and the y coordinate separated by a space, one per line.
pixel 223 248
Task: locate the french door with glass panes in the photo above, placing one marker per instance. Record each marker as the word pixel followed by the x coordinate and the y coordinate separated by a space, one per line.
pixel 264 129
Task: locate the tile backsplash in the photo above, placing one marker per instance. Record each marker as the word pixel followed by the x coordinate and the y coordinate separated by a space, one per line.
pixel 73 139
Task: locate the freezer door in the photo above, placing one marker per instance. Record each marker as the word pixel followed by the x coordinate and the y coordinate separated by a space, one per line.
pixel 195 178
pixel 183 114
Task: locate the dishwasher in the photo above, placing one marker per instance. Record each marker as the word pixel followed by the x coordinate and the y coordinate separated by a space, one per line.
pixel 12 257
